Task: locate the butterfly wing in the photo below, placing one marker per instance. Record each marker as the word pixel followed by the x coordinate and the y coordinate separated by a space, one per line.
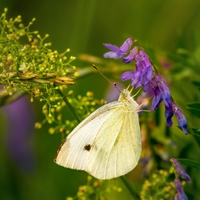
pixel 117 146
pixel 75 149
pixel 106 144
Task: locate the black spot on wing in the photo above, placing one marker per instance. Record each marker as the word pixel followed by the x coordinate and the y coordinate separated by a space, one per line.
pixel 87 147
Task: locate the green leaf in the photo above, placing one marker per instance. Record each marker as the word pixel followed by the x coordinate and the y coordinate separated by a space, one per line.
pixel 189 163
pixel 196 83
pixel 196 134
pixel 194 108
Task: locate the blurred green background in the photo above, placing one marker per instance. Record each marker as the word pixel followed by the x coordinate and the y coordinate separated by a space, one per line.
pixel 83 26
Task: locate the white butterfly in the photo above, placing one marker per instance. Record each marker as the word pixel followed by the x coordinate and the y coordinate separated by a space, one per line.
pixel 107 144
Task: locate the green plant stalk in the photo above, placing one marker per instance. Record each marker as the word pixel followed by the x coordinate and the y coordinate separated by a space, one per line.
pixel 130 188
pixel 68 104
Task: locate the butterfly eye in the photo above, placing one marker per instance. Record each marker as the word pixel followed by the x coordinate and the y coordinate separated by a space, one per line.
pixel 87 147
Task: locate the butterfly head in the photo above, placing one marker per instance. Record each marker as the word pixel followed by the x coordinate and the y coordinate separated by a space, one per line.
pixel 128 100
pixel 124 95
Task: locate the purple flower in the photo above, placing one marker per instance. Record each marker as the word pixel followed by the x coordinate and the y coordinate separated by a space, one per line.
pixel 118 52
pixel 19 131
pixel 131 55
pixel 180 195
pixel 161 93
pixel 147 78
pixel 143 74
pixel 182 122
pixel 168 115
pixel 180 170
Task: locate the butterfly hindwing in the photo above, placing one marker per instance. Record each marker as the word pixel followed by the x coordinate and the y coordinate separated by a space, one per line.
pixel 116 148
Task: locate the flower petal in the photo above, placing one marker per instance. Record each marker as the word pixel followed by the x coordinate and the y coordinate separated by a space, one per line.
pixel 131 55
pixel 114 55
pixel 156 101
pixel 112 47
pixel 142 60
pixel 182 122
pixel 126 45
pixel 127 75
pixel 168 114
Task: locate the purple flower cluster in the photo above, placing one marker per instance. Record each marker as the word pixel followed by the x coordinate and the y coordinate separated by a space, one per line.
pixel 145 76
pixel 180 195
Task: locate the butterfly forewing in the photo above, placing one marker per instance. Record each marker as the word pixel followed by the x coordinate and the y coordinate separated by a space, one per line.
pixel 73 152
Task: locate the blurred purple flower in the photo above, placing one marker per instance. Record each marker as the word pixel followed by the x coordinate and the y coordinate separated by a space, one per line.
pixel 180 195
pixel 111 93
pixel 182 122
pixel 165 64
pixel 18 133
pixel 118 52
pixel 143 101
pixel 180 170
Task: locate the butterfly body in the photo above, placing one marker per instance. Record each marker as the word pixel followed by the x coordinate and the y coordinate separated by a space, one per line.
pixel 107 144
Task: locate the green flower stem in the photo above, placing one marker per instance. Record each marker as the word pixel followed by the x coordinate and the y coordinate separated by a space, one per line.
pixel 34 77
pixel 130 188
pixel 69 105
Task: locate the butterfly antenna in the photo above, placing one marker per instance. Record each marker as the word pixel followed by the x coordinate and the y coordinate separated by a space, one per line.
pixel 114 84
